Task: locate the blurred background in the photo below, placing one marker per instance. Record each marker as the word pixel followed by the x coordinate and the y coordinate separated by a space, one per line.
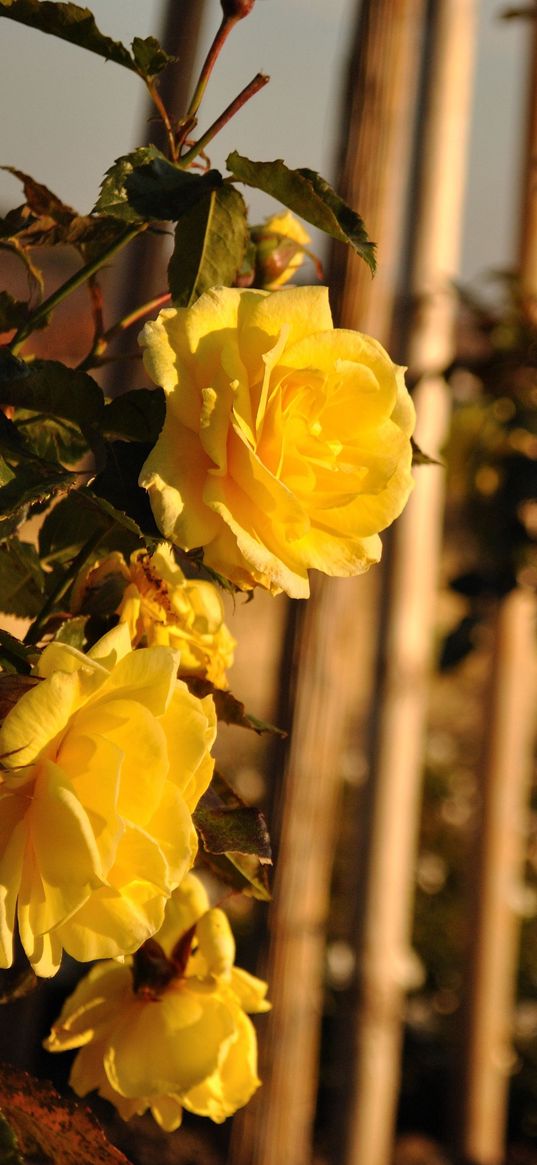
pixel 401 943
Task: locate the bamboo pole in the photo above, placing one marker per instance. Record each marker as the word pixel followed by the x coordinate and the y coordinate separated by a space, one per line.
pixel 503 824
pixel 499 860
pixel 395 783
pixel 334 628
pixel 278 1126
pixel 382 89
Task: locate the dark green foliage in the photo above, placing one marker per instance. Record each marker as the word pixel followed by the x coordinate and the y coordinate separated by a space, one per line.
pixel 117 485
pixel 48 388
pixel 234 839
pixel 13 312
pixel 77 25
pixel 113 198
pixel 210 244
pixel 14 655
pixel 159 190
pixel 308 195
pixel 22 581
pixel 229 709
pixel 135 416
pixel 144 186
pixel 26 479
pixel 60 534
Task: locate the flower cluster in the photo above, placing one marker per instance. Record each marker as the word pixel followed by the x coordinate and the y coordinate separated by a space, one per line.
pixel 286 447
pixel 286 444
pixel 104 761
pixel 161 606
pixel 175 1034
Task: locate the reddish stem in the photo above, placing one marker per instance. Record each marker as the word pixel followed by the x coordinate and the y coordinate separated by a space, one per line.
pixel 258 82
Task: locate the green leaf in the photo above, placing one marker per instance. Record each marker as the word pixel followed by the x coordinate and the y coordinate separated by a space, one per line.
pixel 49 388
pixel 58 409
pixel 113 198
pixel 48 1128
pixel 70 22
pixel 25 479
pixel 149 56
pixel 229 709
pixel 159 190
pixel 51 438
pixel 77 25
pixel 234 839
pixel 308 195
pixel 11 367
pixel 13 312
pixel 137 415
pixel 210 243
pixel 144 186
pixel 242 872
pixel 421 458
pixel 73 632
pixel 21 579
pixel 29 486
pixel 75 519
pixel 242 830
pixel 15 656
pixel 117 486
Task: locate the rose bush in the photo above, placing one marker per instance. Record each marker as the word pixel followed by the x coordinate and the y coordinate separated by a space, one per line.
pixel 286 444
pixel 104 760
pixel 160 605
pixel 185 1041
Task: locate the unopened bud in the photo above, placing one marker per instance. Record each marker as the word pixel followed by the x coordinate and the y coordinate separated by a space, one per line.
pixel 237 9
pixel 280 248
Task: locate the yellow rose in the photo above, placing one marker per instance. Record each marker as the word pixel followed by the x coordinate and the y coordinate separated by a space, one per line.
pixel 183 1042
pixel 280 244
pixel 104 761
pixel 286 444
pixel 161 606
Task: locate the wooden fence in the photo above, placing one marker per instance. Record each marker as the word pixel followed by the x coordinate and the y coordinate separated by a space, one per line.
pixel 404 162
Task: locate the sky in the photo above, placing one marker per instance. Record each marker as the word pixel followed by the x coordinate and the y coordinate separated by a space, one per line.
pixel 69 114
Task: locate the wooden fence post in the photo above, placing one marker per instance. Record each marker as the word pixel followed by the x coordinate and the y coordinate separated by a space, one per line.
pixel 395 781
pixel 278 1127
pixel 509 729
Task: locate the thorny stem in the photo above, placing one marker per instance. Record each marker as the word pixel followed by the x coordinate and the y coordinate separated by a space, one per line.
pixel 96 353
pixel 258 82
pixel 32 634
pixel 163 112
pixel 96 297
pixel 40 314
pixel 228 22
